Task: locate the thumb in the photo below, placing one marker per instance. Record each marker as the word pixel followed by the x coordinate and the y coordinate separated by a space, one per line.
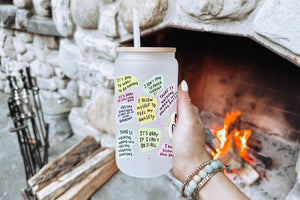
pixel 185 108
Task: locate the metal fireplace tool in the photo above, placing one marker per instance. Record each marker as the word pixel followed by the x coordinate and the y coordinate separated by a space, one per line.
pixel 29 125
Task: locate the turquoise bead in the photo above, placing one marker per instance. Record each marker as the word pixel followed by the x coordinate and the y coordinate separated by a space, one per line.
pixel 187 193
pixel 202 173
pixel 197 178
pixel 188 189
pixel 193 184
pixel 219 163
pixel 208 168
pixel 215 164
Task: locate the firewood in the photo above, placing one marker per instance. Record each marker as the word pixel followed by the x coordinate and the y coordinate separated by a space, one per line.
pixel 248 174
pixel 257 158
pixel 73 157
pixel 254 144
pixel 211 140
pixel 88 186
pixel 231 158
pixel 254 157
pixel 63 183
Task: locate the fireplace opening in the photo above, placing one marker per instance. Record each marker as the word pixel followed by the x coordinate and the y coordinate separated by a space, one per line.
pixel 256 91
pixel 229 74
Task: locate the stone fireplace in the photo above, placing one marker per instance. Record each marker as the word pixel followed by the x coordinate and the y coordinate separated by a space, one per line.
pixel 235 55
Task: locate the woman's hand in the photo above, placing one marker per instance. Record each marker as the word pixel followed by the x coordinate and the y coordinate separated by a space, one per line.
pixel 188 138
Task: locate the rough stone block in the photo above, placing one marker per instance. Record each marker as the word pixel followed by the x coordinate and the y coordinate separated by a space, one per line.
pixel 7 15
pixel 107 140
pixel 104 73
pixel 107 23
pixel 24 36
pixel 22 3
pixel 2 85
pixel 107 1
pixel 7 88
pixel 219 9
pixel 19 46
pixel 27 57
pixel 59 72
pixel 100 111
pixel 7 48
pixel 63 92
pixel 62 17
pixel 42 69
pixel 60 83
pixel 151 12
pixel 85 90
pixel 5 62
pixel 73 93
pixel 68 54
pixel 95 47
pixel 79 124
pixel 48 56
pixel 43 41
pixel 6 32
pixel 286 16
pixel 85 13
pixel 2 76
pixel 42 25
pixel 42 7
pixel 46 84
pixel 22 16
pixel 47 95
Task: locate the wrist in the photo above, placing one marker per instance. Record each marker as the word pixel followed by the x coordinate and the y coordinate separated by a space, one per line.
pixel 187 168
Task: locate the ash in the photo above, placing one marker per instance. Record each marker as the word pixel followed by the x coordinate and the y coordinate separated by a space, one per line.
pixel 275 182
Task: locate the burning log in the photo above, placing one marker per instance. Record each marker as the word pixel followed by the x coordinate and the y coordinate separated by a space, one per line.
pixel 257 158
pixel 231 143
pixel 251 155
pixel 246 172
pixel 76 174
pixel 254 144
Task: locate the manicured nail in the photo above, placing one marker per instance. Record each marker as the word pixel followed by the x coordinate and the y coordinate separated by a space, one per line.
pixel 184 86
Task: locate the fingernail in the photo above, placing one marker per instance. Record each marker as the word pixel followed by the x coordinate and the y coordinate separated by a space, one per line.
pixel 184 86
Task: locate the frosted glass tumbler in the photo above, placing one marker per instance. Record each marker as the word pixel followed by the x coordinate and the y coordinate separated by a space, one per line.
pixel 145 108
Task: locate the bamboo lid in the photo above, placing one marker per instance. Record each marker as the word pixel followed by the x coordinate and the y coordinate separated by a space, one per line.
pixel 146 49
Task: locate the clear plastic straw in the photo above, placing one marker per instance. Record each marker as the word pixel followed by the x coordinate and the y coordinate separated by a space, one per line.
pixel 136 29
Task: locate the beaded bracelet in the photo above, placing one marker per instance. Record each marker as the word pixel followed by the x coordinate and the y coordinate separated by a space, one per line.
pixel 200 176
pixel 204 180
pixel 192 176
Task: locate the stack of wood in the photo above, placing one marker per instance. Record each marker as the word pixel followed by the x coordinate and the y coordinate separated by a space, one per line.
pixel 76 174
pixel 244 168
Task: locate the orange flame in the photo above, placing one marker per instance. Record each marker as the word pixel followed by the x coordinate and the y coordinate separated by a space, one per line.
pixel 240 137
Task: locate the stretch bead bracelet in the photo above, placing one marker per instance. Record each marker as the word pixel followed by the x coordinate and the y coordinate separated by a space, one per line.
pixel 192 176
pixel 204 180
pixel 200 176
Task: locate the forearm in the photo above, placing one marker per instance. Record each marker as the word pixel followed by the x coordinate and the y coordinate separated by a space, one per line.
pixel 217 187
pixel 220 187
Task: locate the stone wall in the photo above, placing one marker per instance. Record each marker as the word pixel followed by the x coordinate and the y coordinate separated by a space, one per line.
pixel 70 44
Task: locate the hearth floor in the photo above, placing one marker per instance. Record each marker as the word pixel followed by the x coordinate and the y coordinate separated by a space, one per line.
pixel 281 177
pixel 275 182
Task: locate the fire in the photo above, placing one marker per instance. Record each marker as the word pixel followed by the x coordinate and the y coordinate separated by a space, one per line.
pixel 223 134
